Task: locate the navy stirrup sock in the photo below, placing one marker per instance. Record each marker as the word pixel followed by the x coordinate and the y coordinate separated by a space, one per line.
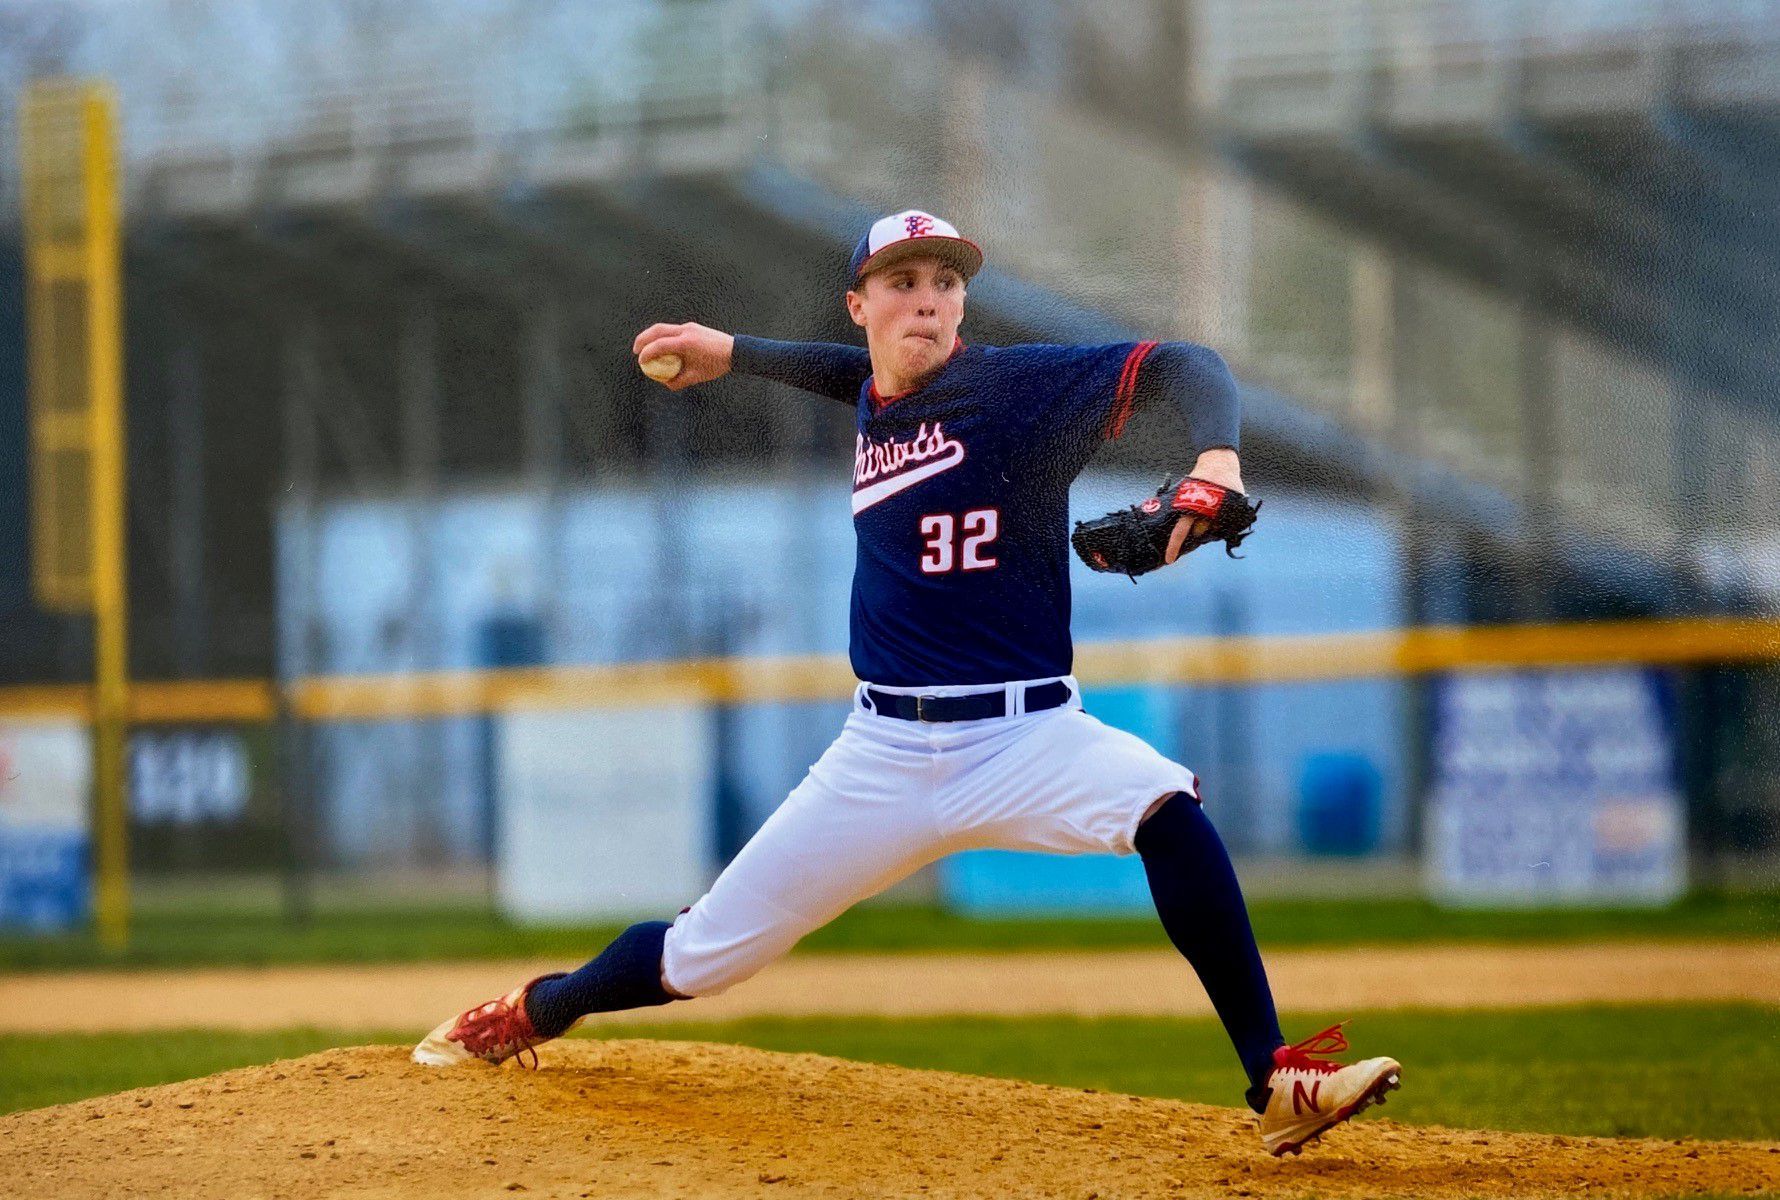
pixel 1200 903
pixel 627 974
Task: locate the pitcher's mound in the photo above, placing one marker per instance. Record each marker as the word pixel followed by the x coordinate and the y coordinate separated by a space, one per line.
pixel 647 1118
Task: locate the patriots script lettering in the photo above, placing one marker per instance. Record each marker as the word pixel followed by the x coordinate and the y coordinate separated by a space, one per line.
pixel 882 469
pixel 872 459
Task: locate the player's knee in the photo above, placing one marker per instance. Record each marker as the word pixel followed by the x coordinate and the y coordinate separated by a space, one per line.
pixel 690 976
pixel 691 971
pixel 1176 815
pixel 693 965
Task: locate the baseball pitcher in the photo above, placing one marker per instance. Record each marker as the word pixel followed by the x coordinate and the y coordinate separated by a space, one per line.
pixel 967 728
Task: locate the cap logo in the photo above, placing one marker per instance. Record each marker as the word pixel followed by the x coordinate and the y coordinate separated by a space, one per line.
pixel 914 231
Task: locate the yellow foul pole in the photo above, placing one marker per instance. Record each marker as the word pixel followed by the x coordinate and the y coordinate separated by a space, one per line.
pixel 111 686
pixel 74 329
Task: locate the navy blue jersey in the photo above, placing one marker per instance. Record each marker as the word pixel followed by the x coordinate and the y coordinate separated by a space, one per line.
pixel 961 506
pixel 961 492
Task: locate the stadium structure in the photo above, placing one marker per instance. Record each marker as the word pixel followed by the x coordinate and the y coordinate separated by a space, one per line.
pixel 1499 281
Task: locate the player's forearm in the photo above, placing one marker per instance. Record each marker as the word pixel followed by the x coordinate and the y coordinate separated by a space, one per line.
pixel 1196 379
pixel 825 368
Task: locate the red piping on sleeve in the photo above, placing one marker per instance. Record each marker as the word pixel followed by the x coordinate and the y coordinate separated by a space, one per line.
pixel 1125 396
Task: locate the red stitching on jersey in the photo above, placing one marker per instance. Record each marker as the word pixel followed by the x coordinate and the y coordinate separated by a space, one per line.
pixel 1125 395
pixel 1118 400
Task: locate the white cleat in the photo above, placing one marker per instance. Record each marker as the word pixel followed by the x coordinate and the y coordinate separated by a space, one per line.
pixel 1307 1096
pixel 493 1032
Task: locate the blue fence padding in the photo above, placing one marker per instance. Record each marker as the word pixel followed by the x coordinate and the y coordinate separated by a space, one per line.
pixel 1338 804
pixel 991 882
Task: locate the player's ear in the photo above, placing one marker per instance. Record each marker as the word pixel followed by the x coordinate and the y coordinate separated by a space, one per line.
pixel 856 307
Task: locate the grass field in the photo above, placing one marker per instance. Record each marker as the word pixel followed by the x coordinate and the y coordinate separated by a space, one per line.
pixel 1647 1071
pixel 226 937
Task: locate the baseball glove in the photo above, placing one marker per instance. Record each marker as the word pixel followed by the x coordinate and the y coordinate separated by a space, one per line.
pixel 1134 541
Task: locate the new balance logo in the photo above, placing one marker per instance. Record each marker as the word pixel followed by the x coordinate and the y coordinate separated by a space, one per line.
pixel 882 469
pixel 1302 1099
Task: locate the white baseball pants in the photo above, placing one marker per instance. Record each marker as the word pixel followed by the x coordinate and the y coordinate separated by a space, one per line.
pixel 890 796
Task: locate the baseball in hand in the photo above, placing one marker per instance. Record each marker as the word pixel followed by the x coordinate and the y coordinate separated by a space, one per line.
pixel 662 367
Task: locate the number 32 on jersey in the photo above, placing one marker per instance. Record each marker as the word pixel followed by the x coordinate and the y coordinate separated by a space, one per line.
pixel 953 542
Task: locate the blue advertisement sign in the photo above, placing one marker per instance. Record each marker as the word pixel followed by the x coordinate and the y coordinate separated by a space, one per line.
pixel 44 883
pixel 1555 787
pixel 45 772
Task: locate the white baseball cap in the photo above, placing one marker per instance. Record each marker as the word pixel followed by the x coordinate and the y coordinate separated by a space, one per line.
pixel 912 234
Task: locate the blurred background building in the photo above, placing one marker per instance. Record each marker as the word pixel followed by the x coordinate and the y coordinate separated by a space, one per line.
pixel 1500 280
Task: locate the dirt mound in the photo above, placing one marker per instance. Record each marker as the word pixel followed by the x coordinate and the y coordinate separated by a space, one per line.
pixel 646 1118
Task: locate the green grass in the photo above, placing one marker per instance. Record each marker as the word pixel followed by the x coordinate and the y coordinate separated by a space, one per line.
pixel 41 1069
pixel 191 938
pixel 1705 1071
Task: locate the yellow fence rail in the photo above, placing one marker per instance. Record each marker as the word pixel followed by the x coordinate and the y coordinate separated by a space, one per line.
pixel 1192 661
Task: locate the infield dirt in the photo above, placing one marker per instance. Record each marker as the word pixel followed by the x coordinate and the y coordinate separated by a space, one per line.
pixel 648 1118
pixel 1089 983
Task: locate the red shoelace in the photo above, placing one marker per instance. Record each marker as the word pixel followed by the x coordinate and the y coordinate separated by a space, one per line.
pixel 1297 1057
pixel 497 1024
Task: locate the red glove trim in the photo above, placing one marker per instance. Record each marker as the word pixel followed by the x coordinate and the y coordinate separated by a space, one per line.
pixel 1199 497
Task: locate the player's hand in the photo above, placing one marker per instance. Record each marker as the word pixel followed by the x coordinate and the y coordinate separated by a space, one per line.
pixel 1184 528
pixel 705 353
pixel 1221 467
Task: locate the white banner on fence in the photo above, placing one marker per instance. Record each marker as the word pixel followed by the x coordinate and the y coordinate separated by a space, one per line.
pixel 603 814
pixel 45 781
pixel 1555 787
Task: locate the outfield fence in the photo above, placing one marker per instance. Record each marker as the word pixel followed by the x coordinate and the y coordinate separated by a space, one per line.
pixel 1187 661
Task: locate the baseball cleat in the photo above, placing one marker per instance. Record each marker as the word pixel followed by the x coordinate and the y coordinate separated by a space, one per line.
pixel 493 1032
pixel 1308 1095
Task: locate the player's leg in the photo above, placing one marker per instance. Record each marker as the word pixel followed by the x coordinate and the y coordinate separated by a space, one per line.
pixel 859 822
pixel 1070 784
pixel 1297 1093
pixel 1199 900
pixel 626 974
pixel 820 853
pixel 1066 783
pixel 856 824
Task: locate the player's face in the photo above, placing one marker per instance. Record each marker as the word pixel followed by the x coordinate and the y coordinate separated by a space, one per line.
pixel 910 313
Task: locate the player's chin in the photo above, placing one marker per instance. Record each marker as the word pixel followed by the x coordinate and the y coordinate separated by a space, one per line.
pixel 922 351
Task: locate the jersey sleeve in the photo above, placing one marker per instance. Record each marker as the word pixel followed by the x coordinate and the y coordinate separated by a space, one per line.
pixel 1193 379
pixel 1092 390
pixel 1098 389
pixel 826 368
